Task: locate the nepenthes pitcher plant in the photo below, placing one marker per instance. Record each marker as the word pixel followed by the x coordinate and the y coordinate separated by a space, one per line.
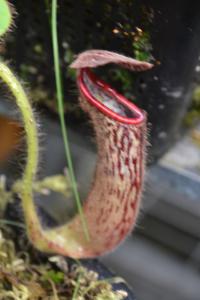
pixel 113 202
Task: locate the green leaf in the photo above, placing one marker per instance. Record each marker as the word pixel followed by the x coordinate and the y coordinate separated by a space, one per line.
pixel 5 17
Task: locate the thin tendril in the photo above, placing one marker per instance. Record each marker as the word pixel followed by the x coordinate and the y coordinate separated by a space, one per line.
pixel 60 100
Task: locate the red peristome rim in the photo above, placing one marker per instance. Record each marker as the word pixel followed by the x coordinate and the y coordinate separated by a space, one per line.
pixel 120 98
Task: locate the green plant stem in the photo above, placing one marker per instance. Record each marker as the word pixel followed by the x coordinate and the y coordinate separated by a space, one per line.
pixel 60 100
pixel 30 128
pixel 76 289
pixel 28 120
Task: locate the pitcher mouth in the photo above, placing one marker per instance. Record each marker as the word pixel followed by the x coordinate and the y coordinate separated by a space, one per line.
pixel 107 100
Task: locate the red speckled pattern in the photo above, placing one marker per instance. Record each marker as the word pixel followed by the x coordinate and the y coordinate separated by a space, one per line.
pixel 112 205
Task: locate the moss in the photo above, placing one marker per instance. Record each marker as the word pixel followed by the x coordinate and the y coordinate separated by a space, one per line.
pixel 24 277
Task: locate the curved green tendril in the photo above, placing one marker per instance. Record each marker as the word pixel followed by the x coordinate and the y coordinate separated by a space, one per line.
pixel 30 128
pixel 33 226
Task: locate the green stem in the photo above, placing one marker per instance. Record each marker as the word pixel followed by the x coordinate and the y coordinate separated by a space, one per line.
pixel 31 133
pixel 30 126
pixel 76 289
pixel 60 100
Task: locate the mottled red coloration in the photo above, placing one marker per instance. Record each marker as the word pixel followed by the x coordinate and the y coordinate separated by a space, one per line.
pixel 113 202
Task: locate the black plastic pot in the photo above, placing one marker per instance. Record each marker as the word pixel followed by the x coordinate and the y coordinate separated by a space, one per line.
pixel 98 267
pixel 165 92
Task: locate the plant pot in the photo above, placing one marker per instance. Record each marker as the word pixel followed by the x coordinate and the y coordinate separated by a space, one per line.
pixel 165 92
pixel 104 272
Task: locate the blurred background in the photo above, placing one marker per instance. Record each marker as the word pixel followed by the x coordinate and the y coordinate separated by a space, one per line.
pixel 161 259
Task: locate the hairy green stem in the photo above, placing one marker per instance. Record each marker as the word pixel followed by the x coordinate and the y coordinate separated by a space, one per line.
pixel 60 100
pixel 29 123
pixel 31 133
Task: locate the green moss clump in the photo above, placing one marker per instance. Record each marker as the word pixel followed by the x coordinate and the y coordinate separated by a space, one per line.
pixel 26 278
